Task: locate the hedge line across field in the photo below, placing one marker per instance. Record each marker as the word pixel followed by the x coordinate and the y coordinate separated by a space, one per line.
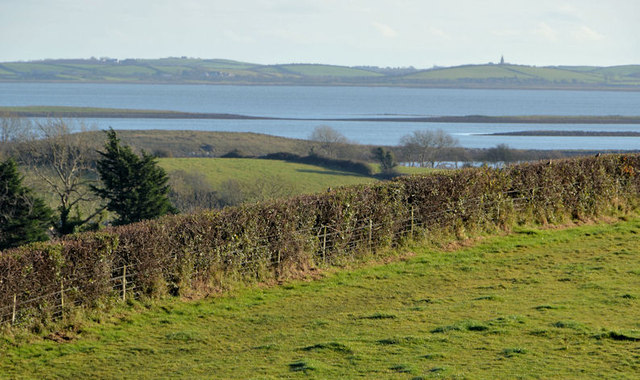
pixel 185 253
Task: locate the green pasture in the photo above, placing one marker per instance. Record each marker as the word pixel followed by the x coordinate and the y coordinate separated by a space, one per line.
pixel 24 67
pixel 274 71
pixel 295 178
pixel 506 71
pixel 470 72
pixel 244 72
pixel 174 70
pixel 219 64
pixel 555 74
pixel 625 70
pixel 127 70
pixel 327 70
pixel 7 73
pixel 533 304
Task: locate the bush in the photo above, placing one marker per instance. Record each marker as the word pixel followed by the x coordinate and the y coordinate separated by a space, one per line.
pixel 175 254
pixel 24 217
pixel 357 167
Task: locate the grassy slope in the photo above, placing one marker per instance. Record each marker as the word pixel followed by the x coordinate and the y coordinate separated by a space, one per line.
pixel 216 70
pixel 184 143
pixel 552 303
pixel 299 178
pixel 506 71
pixel 191 143
pixel 327 70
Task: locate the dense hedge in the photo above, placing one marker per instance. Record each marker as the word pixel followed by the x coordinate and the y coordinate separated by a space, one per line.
pixel 352 166
pixel 178 254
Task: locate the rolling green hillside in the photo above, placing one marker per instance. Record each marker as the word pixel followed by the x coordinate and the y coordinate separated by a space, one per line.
pixel 629 75
pixel 293 178
pixel 535 304
pixel 220 71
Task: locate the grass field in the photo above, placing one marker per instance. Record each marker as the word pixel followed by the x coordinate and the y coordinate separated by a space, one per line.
pixel 294 178
pixel 533 304
pixel 297 178
pixel 507 71
pixel 327 70
pixel 189 70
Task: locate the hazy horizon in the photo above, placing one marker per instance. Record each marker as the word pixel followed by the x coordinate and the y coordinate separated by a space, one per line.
pixel 495 62
pixel 398 33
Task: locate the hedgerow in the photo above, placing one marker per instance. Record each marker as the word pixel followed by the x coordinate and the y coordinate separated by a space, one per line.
pixel 180 253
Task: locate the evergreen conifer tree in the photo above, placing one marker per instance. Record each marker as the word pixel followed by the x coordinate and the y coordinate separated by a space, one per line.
pixel 386 159
pixel 134 186
pixel 24 218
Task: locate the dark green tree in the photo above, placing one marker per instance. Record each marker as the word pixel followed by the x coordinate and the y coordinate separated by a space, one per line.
pixel 135 187
pixel 386 159
pixel 24 218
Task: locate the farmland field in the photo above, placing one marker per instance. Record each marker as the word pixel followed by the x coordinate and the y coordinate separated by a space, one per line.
pixel 537 303
pixel 327 70
pixel 299 178
pixel 296 178
pixel 189 70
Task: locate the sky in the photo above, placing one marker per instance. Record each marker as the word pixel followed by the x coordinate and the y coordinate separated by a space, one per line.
pixel 394 33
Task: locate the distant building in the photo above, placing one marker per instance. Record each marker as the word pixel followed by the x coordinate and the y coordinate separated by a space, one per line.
pixel 502 60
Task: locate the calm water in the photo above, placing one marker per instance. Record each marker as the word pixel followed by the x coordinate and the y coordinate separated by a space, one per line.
pixel 345 102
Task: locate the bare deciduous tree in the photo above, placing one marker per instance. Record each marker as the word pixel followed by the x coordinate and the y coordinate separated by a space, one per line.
pixel 60 154
pixel 501 154
pixel 423 147
pixel 328 138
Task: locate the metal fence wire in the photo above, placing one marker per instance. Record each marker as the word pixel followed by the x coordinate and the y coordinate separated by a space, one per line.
pixel 122 283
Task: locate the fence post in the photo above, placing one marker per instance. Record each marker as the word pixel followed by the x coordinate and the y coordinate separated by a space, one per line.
pixel 411 222
pixel 124 283
pixel 62 293
pixel 324 245
pixel 370 235
pixel 13 314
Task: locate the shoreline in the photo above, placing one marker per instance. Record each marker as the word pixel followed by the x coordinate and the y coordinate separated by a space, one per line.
pixel 409 84
pixel 546 133
pixel 117 113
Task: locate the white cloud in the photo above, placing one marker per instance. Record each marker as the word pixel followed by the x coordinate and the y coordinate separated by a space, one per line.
pixel 385 29
pixel 331 31
pixel 235 37
pixel 506 33
pixel 545 31
pixel 437 32
pixel 586 34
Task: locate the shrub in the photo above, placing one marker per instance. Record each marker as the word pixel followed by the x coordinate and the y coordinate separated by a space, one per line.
pixel 24 217
pixel 174 254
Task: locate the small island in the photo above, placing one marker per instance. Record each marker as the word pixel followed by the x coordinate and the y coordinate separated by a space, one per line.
pixel 568 133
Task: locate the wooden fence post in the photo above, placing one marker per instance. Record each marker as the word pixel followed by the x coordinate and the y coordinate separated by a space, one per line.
pixel 370 235
pixel 411 222
pixel 324 245
pixel 62 293
pixel 13 314
pixel 124 283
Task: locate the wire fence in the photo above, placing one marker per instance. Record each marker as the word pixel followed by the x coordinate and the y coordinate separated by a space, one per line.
pixel 329 242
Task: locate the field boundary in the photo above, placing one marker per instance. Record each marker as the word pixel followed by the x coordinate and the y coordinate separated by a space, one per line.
pixel 274 240
pixel 123 285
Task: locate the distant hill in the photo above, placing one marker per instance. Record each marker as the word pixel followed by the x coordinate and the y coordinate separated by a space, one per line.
pixel 219 71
